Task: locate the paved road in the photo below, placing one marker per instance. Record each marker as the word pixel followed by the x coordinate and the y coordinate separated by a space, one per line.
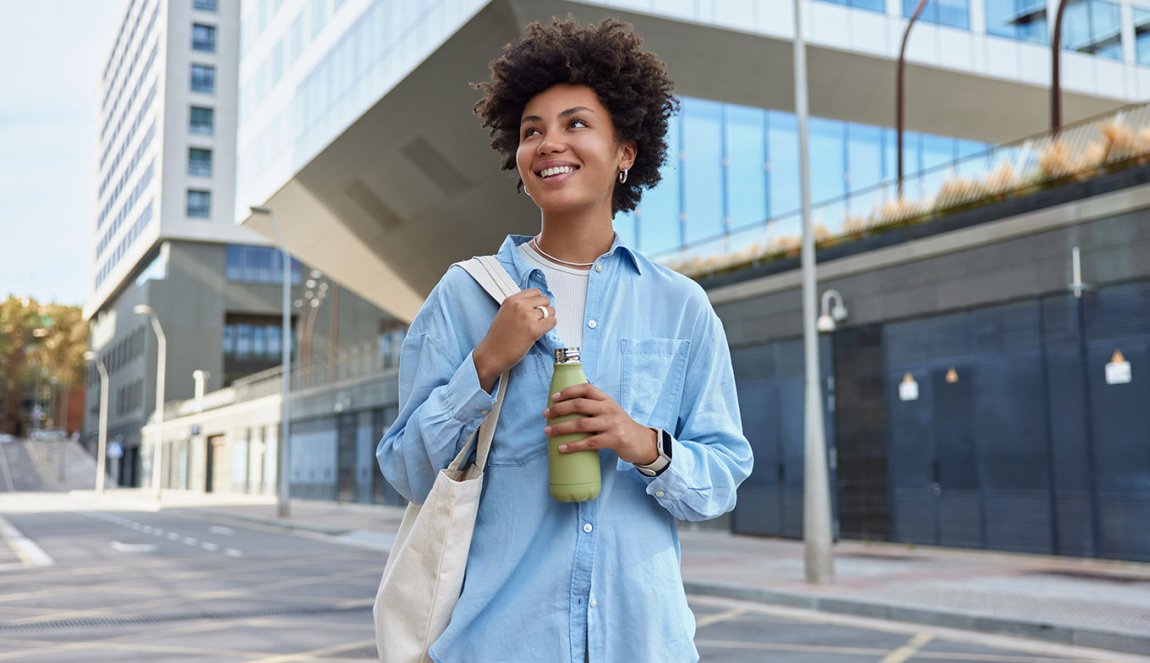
pixel 160 586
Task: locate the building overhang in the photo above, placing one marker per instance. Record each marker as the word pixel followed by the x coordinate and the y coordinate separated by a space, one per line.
pixel 413 186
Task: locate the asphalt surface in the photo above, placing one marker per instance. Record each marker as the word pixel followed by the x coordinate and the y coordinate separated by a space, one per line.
pixel 171 586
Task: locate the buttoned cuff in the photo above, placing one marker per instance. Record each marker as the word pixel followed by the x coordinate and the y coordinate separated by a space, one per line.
pixel 466 400
pixel 669 486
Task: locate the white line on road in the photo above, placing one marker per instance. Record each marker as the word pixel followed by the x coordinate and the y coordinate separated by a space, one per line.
pixel 25 548
pixel 7 472
pixel 190 541
pixel 232 552
pixel 172 536
pixel 210 547
pixel 903 653
pixel 220 529
pixel 119 546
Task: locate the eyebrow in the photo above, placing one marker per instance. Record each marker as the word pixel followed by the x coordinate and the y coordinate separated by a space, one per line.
pixel 567 113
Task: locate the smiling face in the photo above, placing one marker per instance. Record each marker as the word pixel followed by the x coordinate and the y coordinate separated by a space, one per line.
pixel 568 156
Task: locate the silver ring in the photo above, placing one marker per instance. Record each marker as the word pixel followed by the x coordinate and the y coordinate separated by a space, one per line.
pixel 546 313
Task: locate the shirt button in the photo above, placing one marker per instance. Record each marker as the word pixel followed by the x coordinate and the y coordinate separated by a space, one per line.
pixel 599 267
pixel 587 527
pixel 594 603
pixel 658 493
pixel 592 324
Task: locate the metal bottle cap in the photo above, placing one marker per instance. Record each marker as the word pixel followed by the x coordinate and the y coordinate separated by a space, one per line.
pixel 568 356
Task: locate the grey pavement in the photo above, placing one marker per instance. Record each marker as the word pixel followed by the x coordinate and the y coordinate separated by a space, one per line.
pixel 1099 604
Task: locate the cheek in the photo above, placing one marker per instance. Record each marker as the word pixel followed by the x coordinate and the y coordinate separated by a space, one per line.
pixel 522 161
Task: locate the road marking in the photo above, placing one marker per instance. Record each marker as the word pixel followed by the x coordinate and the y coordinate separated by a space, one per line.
pixel 324 652
pixel 25 548
pixel 119 546
pixel 232 552
pixel 707 620
pixel 172 536
pixel 210 547
pixel 219 529
pixel 903 653
pixel 7 472
pixel 190 541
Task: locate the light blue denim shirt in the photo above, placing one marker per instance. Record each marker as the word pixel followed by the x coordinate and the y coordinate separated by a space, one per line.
pixel 549 581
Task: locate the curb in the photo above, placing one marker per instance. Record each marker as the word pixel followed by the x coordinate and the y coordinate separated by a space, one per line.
pixel 275 522
pixel 1127 643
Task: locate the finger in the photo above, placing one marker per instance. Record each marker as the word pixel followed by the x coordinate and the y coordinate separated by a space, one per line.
pixel 586 406
pixel 577 426
pixel 587 444
pixel 585 390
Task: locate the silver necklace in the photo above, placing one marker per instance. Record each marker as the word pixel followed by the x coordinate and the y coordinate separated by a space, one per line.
pixel 535 244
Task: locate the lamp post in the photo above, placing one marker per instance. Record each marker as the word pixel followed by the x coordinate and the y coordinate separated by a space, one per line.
pixel 816 499
pixel 1056 70
pixel 161 364
pixel 102 439
pixel 283 460
pixel 900 94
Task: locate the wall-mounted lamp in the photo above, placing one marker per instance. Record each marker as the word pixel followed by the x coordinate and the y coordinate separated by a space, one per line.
pixel 951 376
pixel 830 317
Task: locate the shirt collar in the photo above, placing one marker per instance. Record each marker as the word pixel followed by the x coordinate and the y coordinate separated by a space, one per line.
pixel 509 255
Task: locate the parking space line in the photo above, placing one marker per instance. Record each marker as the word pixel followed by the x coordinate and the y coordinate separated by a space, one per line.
pixel 324 652
pixel 903 653
pixel 25 548
pixel 707 620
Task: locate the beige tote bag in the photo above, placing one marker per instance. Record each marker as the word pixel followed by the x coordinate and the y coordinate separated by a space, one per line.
pixel 424 572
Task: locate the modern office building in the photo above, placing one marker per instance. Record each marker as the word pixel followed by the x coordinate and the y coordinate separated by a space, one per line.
pixel 965 396
pixel 164 234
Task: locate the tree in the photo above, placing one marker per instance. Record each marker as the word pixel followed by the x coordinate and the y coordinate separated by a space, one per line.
pixel 48 339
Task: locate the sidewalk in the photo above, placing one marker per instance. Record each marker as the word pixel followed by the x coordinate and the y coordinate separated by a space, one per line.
pixel 1091 603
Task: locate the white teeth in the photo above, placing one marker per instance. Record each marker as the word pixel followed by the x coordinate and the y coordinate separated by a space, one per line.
pixel 556 170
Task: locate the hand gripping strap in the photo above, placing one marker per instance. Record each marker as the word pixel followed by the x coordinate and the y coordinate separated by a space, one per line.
pixel 492 277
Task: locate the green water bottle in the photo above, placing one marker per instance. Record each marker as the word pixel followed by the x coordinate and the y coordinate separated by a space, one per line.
pixel 574 476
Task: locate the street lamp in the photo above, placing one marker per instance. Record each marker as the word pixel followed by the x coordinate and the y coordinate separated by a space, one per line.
pixel 817 558
pixel 283 460
pixel 161 364
pixel 102 444
pixel 830 317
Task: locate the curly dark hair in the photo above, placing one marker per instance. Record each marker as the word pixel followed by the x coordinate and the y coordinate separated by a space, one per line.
pixel 631 83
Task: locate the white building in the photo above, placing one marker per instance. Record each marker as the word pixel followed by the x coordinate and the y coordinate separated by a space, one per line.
pixel 164 233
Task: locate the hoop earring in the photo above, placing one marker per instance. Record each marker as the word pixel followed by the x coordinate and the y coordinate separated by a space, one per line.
pixel 623 175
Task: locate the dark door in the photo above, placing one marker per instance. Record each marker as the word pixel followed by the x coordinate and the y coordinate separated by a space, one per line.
pixel 860 422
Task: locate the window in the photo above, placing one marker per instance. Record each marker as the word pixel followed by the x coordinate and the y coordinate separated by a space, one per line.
pixel 204 5
pixel 204 38
pixel 1142 36
pixel 199 162
pixel 203 78
pixel 257 264
pixel 199 204
pixel 872 5
pixel 954 13
pixel 1024 20
pixel 201 120
pixel 1092 26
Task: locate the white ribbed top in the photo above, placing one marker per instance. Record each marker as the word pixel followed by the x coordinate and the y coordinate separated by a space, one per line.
pixel 569 286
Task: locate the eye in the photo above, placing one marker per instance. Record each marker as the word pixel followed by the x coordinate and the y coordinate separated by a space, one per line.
pixel 530 131
pixel 578 122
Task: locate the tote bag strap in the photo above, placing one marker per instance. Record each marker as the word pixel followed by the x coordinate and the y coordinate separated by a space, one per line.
pixel 493 278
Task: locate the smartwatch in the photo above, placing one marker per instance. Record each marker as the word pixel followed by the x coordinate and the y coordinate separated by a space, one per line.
pixel 661 463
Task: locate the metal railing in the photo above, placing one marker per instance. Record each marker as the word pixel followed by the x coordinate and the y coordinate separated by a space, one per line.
pixel 361 360
pixel 1077 152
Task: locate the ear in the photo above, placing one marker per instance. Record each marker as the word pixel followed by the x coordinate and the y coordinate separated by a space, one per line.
pixel 627 154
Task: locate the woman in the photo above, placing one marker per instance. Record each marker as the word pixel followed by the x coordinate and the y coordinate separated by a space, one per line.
pixel 581 113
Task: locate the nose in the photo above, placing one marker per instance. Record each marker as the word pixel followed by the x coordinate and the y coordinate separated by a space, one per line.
pixel 549 145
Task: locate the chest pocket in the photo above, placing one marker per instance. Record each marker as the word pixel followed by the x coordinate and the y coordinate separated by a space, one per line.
pixel 651 381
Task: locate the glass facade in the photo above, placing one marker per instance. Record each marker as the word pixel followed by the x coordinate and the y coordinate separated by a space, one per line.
pixel 254 340
pixel 953 13
pixel 1142 35
pixel 257 264
pixel 1094 27
pixel 731 167
pixel 205 5
pixel 872 5
pixel 1017 19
